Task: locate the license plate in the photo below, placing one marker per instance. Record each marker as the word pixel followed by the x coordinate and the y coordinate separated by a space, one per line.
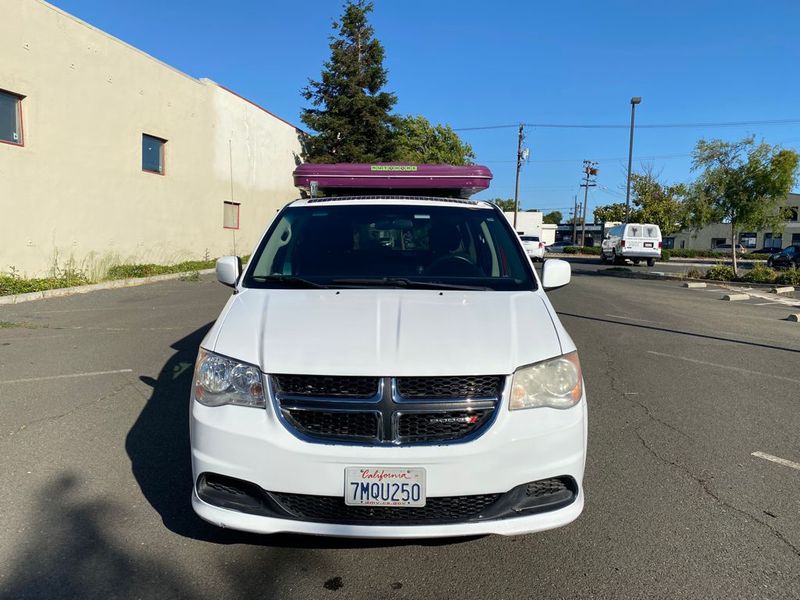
pixel 648 244
pixel 384 486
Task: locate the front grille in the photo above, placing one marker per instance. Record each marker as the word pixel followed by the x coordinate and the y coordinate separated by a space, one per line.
pixel 473 386
pixel 323 385
pixel 387 410
pixel 440 426
pixel 335 424
pixel 333 509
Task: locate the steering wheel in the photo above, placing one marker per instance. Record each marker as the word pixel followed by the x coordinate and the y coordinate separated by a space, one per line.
pixel 461 263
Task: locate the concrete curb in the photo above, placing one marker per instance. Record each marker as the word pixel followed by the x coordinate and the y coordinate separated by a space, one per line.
pixel 735 297
pixel 94 287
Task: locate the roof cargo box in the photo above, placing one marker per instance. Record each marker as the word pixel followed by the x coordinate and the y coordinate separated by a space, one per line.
pixel 348 179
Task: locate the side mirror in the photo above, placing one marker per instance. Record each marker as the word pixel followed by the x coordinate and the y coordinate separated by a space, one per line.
pixel 228 270
pixel 556 273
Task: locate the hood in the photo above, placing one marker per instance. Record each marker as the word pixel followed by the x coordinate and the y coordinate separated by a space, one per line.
pixel 382 332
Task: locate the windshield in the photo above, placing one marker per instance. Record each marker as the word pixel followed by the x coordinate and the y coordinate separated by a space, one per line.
pixel 389 245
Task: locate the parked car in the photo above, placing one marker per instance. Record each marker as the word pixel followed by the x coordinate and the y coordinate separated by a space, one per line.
pixel 534 247
pixel 402 390
pixel 787 258
pixel 558 246
pixel 765 250
pixel 632 241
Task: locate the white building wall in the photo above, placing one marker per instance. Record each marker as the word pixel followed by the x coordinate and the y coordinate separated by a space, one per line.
pixel 76 191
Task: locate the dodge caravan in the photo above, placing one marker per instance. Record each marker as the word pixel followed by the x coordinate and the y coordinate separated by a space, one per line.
pixel 390 367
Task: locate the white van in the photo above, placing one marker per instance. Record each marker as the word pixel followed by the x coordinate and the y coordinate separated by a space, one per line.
pixel 632 241
pixel 389 367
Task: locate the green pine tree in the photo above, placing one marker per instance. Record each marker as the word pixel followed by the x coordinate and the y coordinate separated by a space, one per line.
pixel 349 112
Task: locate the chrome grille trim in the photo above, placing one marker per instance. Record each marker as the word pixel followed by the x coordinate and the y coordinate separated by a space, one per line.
pixel 447 418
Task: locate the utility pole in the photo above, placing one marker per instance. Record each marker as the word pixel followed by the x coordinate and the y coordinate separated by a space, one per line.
pixel 589 170
pixel 575 220
pixel 521 156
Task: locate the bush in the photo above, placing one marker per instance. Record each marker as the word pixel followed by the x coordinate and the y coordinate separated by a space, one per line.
pixel 571 249
pixel 593 250
pixel 12 284
pixel 720 273
pixel 666 255
pixel 790 277
pixel 694 274
pixel 148 270
pixel 760 274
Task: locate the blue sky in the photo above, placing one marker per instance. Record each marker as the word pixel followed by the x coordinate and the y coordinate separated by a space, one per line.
pixel 471 64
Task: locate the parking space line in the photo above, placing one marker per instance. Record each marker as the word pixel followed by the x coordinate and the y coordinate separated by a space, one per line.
pixel 776 459
pixel 719 366
pixel 69 376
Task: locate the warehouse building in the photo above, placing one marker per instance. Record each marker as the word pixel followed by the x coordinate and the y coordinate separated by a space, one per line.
pixel 108 155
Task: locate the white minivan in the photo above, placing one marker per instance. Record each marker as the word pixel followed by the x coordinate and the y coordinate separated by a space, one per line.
pixel 388 367
pixel 632 241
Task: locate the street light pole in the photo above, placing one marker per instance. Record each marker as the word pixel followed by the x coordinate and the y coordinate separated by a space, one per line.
pixel 634 101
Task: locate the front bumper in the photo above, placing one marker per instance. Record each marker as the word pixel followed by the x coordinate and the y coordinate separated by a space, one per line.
pixel 524 446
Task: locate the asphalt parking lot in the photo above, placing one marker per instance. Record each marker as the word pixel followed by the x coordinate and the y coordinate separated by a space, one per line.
pixel 683 389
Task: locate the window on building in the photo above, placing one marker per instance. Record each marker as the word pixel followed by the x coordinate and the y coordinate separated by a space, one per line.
pixel 230 215
pixel 668 243
pixel 795 239
pixel 748 240
pixel 792 212
pixel 683 244
pixel 10 118
pixel 153 154
pixel 773 240
pixel 717 242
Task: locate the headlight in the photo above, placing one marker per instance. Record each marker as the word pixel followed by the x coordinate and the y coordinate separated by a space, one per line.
pixel 557 383
pixel 219 380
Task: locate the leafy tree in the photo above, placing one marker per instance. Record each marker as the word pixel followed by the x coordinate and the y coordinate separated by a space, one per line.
pixel 611 212
pixel 741 183
pixel 657 202
pixel 349 112
pixel 417 140
pixel 553 218
pixel 505 205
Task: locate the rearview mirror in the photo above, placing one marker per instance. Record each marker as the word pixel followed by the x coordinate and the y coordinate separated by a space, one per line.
pixel 228 270
pixel 556 273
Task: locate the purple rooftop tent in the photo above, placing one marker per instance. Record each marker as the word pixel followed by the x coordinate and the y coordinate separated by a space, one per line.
pixel 345 179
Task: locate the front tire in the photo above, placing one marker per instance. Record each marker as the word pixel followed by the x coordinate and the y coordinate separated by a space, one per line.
pixel 651 262
pixel 618 260
pixel 603 258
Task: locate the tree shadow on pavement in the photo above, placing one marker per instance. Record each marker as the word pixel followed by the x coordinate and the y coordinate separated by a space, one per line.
pixel 69 555
pixel 158 448
pixel 679 332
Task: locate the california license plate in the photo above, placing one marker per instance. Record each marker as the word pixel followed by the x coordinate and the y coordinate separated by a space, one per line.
pixel 384 486
pixel 648 244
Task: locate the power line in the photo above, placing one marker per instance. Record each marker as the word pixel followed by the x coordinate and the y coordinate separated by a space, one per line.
pixel 653 126
pixel 569 160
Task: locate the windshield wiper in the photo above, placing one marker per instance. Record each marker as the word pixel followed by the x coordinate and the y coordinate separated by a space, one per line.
pixel 403 282
pixel 288 280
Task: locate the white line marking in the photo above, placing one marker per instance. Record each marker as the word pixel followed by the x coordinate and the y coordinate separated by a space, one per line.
pixel 776 459
pixel 632 319
pixel 719 366
pixel 70 376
